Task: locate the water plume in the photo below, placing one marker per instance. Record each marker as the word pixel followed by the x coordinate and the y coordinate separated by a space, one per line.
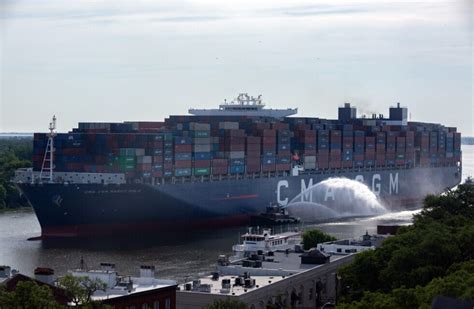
pixel 335 198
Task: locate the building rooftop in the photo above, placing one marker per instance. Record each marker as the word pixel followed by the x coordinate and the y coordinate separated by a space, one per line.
pixel 133 285
pixel 274 268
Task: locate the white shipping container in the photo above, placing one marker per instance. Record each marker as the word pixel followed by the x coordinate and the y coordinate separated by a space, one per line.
pixel 236 154
pixel 202 140
pixel 202 148
pixel 228 125
pixel 144 159
pixel 310 159
pixel 139 152
pixel 194 126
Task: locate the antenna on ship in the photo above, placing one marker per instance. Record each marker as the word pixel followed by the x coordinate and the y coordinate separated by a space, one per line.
pixel 48 164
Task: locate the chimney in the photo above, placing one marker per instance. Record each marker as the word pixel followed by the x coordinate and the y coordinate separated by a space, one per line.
pixel 45 275
pixel 147 271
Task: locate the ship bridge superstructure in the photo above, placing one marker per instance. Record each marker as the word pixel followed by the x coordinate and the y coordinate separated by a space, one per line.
pixel 244 105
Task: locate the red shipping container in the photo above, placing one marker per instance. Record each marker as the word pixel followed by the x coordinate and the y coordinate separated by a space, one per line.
pixel 253 147
pixel 269 140
pixel 335 164
pixel 183 148
pixel 202 163
pixel 253 140
pixel 157 174
pixel 234 147
pixel 235 140
pixel 283 167
pixel 369 155
pixel 268 168
pixel 144 167
pixel 234 132
pixel 347 164
pixel 267 133
pixel 270 147
pixel 322 164
pixel 334 152
pixel 220 162
pixel 183 164
pixel 157 159
pixel 219 170
pixel 309 152
pixel 253 168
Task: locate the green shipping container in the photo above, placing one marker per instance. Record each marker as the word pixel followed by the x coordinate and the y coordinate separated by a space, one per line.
pixel 400 156
pixel 201 171
pixel 126 160
pixel 127 152
pixel 127 167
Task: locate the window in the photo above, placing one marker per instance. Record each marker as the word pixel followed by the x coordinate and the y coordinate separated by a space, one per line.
pixel 339 250
pixel 156 304
pixel 168 303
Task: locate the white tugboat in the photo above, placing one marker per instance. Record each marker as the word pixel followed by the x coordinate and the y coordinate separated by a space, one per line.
pixel 264 242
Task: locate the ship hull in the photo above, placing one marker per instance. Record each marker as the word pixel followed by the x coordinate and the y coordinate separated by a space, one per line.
pixel 75 210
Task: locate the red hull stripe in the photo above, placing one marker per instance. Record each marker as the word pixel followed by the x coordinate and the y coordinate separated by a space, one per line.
pixel 239 197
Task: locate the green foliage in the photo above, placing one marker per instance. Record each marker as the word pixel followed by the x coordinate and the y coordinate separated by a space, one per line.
pixel 313 237
pixel 228 303
pixel 3 196
pixel 80 289
pixel 14 153
pixel 432 257
pixel 27 295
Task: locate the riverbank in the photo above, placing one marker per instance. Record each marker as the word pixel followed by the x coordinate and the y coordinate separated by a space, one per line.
pixel 16 210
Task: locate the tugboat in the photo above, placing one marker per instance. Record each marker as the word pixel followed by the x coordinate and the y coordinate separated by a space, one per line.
pixel 275 214
pixel 264 242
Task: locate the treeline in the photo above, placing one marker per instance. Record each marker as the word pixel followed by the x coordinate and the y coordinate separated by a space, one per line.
pixel 432 257
pixel 14 153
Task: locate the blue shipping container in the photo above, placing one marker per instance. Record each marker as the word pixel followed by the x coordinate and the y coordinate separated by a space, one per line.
pixel 202 156
pixel 237 169
pixel 182 156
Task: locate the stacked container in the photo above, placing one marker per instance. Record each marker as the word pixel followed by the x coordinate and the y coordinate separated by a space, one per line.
pixel 359 147
pixel 322 159
pixel 347 147
pixel 234 148
pixel 201 139
pixel 283 159
pixel 253 153
pixel 335 147
pixel 268 137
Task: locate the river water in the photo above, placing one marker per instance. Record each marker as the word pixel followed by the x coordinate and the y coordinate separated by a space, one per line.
pixel 175 256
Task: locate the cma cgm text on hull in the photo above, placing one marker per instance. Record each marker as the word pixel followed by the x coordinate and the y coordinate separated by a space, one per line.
pixel 221 166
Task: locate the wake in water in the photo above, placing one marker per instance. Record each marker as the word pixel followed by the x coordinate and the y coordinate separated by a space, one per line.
pixel 335 198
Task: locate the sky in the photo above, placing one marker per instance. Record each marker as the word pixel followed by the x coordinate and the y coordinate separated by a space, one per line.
pixel 144 60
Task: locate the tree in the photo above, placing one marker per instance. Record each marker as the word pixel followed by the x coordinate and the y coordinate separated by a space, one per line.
pixel 432 257
pixel 3 196
pixel 81 289
pixel 313 237
pixel 228 303
pixel 27 295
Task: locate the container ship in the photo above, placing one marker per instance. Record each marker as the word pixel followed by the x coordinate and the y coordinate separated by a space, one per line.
pixel 219 167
